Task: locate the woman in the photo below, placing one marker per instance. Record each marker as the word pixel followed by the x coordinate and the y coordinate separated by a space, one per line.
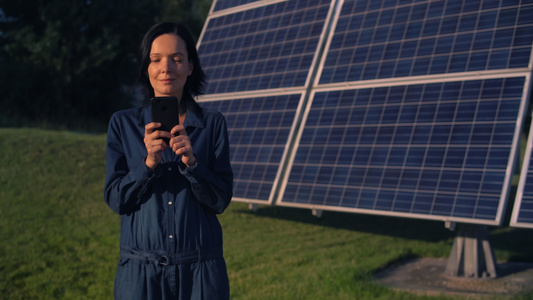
pixel 168 195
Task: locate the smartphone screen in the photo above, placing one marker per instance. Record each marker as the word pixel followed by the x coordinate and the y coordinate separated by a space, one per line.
pixel 165 111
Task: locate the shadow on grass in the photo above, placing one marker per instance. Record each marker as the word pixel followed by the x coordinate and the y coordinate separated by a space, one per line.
pixel 418 229
pixel 518 242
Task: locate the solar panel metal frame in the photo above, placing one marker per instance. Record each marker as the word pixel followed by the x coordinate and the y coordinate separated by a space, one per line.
pixel 302 90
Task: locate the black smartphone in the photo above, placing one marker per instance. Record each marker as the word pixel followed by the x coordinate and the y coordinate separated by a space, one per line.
pixel 165 111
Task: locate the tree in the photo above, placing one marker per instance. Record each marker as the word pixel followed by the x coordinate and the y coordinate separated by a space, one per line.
pixel 68 62
pixel 190 12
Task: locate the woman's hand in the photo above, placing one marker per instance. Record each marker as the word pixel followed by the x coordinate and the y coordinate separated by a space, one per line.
pixel 181 145
pixel 154 144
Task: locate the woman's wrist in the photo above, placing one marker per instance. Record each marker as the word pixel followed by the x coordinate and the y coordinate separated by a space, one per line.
pixel 150 164
pixel 191 163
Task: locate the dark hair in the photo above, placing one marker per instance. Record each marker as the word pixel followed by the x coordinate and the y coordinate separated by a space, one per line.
pixel 195 82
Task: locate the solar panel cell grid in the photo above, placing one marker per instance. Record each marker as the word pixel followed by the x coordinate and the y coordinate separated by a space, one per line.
pixel 419 40
pixel 262 48
pixel 444 149
pixel 258 131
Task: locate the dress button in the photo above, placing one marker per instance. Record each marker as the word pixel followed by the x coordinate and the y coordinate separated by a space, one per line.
pixel 170 236
pixel 169 169
pixel 169 202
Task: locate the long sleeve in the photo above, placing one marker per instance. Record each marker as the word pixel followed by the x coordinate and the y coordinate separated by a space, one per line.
pixel 126 181
pixel 212 180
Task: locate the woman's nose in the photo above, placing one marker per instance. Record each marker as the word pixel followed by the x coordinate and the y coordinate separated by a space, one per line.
pixel 166 66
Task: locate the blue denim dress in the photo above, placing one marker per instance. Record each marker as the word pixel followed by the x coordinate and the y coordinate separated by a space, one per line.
pixel 170 237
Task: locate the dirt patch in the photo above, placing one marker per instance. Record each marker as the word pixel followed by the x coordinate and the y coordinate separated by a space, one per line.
pixel 426 276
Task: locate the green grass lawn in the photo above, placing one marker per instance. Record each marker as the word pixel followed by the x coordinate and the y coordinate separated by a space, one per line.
pixel 60 240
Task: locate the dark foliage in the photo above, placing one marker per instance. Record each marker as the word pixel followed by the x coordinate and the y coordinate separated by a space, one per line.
pixel 71 64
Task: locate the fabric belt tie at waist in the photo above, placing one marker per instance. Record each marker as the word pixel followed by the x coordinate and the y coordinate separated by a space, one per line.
pixel 144 257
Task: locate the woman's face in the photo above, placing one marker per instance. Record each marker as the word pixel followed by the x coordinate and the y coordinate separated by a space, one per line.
pixel 169 65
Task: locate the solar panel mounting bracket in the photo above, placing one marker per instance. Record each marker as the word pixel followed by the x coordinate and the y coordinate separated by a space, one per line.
pixel 450 225
pixel 253 207
pixel 317 213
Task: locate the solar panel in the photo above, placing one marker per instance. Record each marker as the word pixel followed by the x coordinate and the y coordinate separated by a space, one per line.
pixel 522 215
pixel 435 150
pixel 258 57
pixel 262 48
pixel 406 108
pixel 417 111
pixel 259 129
pixel 383 39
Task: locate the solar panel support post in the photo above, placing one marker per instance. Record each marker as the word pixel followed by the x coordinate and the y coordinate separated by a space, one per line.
pixel 472 255
pixel 253 207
